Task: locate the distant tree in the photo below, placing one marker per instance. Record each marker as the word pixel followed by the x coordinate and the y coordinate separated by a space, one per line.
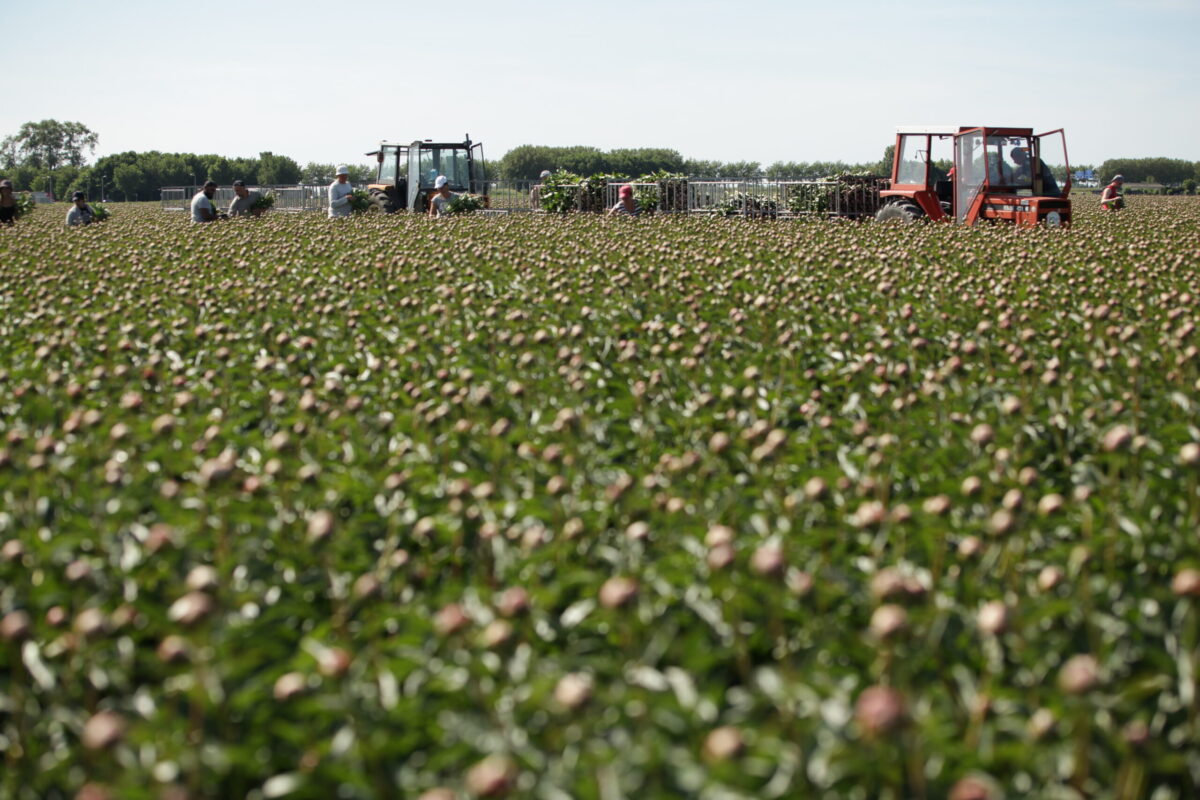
pixel 273 169
pixel 218 168
pixel 699 168
pixel 315 172
pixel 884 167
pixel 49 144
pixel 527 161
pixel 8 152
pixel 1170 171
pixel 128 178
pixel 741 169
pixel 361 173
pixel 643 160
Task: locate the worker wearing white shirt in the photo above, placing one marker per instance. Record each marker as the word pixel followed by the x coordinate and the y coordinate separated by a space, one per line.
pixel 339 194
pixel 202 205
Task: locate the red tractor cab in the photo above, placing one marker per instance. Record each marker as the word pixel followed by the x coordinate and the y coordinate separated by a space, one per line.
pixel 995 174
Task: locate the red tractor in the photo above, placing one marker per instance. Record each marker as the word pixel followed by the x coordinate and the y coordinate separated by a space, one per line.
pixel 996 174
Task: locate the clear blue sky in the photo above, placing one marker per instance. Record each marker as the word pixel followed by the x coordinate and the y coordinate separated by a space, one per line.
pixel 765 81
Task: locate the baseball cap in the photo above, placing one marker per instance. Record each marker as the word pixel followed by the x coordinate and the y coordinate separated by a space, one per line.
pixel 343 171
pixel 239 182
pixel 1120 178
pixel 626 190
pixel 5 184
pixel 77 196
pixel 545 174
pixel 440 182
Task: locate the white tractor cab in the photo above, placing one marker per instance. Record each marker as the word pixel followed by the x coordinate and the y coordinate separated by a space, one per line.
pixel 996 174
pixel 404 179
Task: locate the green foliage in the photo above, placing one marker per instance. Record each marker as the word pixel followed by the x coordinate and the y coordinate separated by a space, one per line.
pixel 847 193
pixel 746 204
pixel 592 194
pixel 333 508
pixel 264 202
pixel 464 203
pixel 360 201
pixel 559 193
pixel 24 204
pixel 809 199
pixel 669 193
pixel 99 212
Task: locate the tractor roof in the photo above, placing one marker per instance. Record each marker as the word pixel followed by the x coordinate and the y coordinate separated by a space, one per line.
pixel 944 130
pixel 428 144
pixel 950 130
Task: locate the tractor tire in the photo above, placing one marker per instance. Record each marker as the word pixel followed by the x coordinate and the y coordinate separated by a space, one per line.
pixel 381 203
pixel 904 211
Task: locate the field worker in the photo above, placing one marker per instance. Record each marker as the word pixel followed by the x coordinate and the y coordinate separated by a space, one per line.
pixel 8 203
pixel 243 201
pixel 625 203
pixel 535 194
pixel 339 194
pixel 203 209
pixel 81 213
pixel 1110 198
pixel 438 204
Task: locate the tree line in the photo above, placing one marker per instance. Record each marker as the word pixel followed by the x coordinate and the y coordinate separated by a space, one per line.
pixel 52 156
pixel 527 161
pixel 1168 171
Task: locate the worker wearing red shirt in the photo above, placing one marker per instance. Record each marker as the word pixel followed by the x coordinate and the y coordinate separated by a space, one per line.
pixel 1111 199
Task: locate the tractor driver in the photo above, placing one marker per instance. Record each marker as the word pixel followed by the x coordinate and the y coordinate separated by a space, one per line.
pixel 1023 173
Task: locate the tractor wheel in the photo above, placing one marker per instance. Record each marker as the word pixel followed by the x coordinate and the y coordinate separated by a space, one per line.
pixel 904 211
pixel 381 203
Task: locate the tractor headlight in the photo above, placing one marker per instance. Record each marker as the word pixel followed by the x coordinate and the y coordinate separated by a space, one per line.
pixel 1053 219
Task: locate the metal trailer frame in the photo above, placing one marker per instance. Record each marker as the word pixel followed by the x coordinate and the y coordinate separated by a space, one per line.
pixel 853 197
pixel 290 198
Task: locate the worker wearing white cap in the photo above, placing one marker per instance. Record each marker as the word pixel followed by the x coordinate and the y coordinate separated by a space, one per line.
pixel 339 194
pixel 440 202
pixel 545 174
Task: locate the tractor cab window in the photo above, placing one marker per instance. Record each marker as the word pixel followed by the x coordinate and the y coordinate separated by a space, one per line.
pixel 1010 162
pixel 914 156
pixel 1052 158
pixel 970 169
pixel 388 165
pixel 451 162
